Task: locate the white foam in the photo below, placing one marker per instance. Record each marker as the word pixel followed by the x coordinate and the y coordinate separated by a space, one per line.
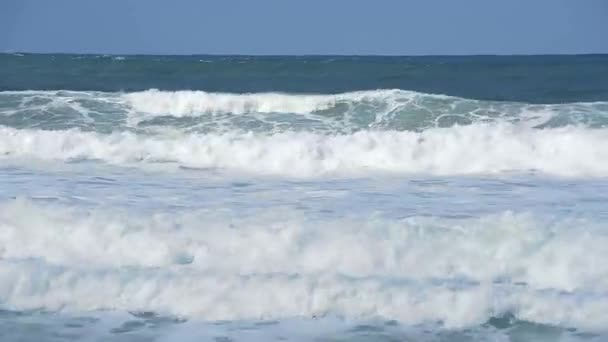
pixel 271 112
pixel 508 245
pixel 383 104
pixel 208 296
pixel 215 265
pixel 472 149
pixel 188 103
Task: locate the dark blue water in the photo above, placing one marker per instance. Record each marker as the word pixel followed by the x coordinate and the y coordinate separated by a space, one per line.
pixel 534 79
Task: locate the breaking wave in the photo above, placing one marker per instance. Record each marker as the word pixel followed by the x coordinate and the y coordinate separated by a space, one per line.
pixel 472 149
pixel 213 265
pixel 278 112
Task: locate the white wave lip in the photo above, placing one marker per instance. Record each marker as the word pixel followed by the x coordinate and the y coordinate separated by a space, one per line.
pixel 192 102
pixel 459 150
pixel 382 103
pixel 418 270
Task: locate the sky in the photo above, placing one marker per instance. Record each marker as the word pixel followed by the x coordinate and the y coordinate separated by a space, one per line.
pixel 361 27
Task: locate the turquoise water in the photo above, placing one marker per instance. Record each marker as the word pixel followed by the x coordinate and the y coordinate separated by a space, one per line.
pixel 210 198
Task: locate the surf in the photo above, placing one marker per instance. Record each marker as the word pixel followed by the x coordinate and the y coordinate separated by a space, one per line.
pixel 209 265
pixel 461 150
pixel 384 109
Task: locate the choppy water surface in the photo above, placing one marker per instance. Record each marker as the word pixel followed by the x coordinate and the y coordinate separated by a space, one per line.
pixel 298 207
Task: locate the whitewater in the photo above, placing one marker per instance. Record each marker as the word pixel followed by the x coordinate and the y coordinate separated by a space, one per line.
pixel 142 207
pixel 387 131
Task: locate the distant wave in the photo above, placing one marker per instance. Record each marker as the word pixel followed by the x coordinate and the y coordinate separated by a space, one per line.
pixel 472 149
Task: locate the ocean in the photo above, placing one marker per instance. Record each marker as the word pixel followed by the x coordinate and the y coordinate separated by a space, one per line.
pixel 310 198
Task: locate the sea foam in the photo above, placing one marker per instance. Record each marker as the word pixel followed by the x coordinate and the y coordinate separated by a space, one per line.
pixel 472 149
pixel 211 265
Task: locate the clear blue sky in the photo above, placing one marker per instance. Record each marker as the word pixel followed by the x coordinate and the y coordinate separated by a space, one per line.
pixel 404 27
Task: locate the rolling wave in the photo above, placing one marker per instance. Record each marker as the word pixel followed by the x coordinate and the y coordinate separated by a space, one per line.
pixel 459 150
pixel 277 112
pixel 210 265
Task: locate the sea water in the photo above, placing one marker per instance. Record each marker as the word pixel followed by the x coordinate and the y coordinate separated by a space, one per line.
pixel 235 198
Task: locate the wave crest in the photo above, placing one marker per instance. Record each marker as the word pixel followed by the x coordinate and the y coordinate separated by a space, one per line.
pixel 473 149
pixel 199 111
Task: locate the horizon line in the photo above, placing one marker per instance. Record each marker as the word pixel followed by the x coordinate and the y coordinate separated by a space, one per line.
pixel 16 52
